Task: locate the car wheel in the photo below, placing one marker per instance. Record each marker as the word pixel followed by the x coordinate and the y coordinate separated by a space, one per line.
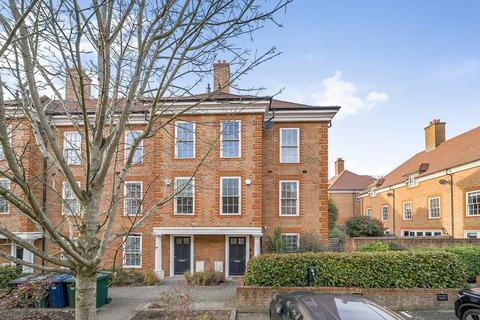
pixel 471 314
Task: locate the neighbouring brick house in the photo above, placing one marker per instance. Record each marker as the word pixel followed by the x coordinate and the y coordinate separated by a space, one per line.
pixel 434 193
pixel 268 170
pixel 344 189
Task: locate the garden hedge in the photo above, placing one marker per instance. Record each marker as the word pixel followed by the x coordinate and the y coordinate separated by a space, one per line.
pixel 399 269
pixel 7 274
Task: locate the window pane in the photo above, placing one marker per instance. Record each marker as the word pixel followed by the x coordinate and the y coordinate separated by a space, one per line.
pixel 434 208
pixel 288 197
pixel 70 202
pixel 230 142
pixel 4 183
pixel 184 198
pixel 473 203
pixel 132 251
pixel 289 145
pixel 185 136
pixel 130 137
pixel 71 147
pixel 133 198
pixel 230 195
pixel 290 242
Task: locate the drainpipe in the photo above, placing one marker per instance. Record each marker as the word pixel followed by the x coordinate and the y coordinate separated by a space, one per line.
pixel 392 194
pixel 451 203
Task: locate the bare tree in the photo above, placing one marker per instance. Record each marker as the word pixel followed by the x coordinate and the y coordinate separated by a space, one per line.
pixel 139 56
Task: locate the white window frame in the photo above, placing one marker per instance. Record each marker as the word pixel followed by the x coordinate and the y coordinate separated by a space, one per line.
pixel 141 251
pixel 139 147
pixel 467 205
pixel 125 198
pixel 368 212
pixel 414 231
pixel 283 234
pixel 411 210
pixel 430 208
pixel 239 138
pixel 412 181
pixel 239 196
pixel 10 134
pixel 8 204
pixel 297 208
pixel 382 213
pixel 175 212
pixel 194 129
pixel 66 144
pixel 466 232
pixel 281 144
pixel 65 184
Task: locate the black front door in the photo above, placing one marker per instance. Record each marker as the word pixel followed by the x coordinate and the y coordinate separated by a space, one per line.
pixel 181 252
pixel 236 252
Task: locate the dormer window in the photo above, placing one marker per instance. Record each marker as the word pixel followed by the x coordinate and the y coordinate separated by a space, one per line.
pixel 412 181
pixel 373 193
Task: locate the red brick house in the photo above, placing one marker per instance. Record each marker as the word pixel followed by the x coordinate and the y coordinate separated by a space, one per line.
pixel 267 170
pixel 344 189
pixel 434 193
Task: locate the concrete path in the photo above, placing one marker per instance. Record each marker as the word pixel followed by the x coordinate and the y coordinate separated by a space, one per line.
pixel 127 301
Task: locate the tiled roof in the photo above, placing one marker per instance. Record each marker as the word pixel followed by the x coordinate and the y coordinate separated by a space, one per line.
pixel 348 180
pixel 456 151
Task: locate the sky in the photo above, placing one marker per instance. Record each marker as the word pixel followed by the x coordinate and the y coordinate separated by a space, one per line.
pixel 391 65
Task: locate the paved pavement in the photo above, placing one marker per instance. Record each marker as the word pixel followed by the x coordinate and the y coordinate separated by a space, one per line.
pixel 127 301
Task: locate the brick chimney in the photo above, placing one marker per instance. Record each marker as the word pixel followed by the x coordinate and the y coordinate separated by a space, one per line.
pixel 72 74
pixel 221 76
pixel 339 166
pixel 434 134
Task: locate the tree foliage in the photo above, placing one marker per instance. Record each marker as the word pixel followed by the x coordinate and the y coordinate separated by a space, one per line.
pixel 332 214
pixel 364 227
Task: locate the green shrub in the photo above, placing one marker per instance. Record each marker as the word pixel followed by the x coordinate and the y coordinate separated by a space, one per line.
pixel 401 269
pixel 364 227
pixel 395 246
pixel 309 242
pixel 207 278
pixel 337 232
pixel 150 278
pixel 374 246
pixel 332 214
pixel 381 246
pixel 469 254
pixel 122 277
pixel 7 274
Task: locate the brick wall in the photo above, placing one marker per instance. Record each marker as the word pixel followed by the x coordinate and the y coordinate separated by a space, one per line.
pixel 257 299
pixel 464 181
pixel 347 205
pixel 352 244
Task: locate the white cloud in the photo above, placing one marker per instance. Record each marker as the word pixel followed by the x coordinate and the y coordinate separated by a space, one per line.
pixel 337 91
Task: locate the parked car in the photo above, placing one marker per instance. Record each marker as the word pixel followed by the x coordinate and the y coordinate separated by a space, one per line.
pixel 322 306
pixel 467 306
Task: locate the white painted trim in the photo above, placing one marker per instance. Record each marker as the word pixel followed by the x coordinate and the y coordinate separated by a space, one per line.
pixel 233 231
pixel 141 251
pixel 65 133
pixel 466 204
pixel 194 129
pixel 411 210
pixel 239 139
pixel 281 144
pixel 344 191
pixel 439 208
pixel 29 236
pixel 8 203
pixel 293 234
pixel 27 256
pixel 125 198
pixel 465 232
pixel 415 231
pixel 125 146
pixel 239 196
pixel 175 198
pixel 381 212
pixel 280 198
pixel 64 184
pixel 313 115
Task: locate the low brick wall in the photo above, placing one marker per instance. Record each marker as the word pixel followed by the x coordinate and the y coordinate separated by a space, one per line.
pixel 352 244
pixel 257 299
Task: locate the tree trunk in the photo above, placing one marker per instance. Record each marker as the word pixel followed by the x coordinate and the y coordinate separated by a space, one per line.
pixel 85 296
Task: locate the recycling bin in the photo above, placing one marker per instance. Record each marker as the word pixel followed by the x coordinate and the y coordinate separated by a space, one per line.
pixel 101 289
pixel 57 291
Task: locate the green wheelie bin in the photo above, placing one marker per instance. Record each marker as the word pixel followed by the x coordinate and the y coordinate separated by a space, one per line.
pixel 102 290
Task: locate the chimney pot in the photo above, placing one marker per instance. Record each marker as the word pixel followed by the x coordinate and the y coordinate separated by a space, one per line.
pixel 434 134
pixel 339 166
pixel 221 76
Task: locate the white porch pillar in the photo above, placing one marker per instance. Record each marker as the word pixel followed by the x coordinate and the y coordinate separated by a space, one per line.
pixel 256 245
pixel 158 257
